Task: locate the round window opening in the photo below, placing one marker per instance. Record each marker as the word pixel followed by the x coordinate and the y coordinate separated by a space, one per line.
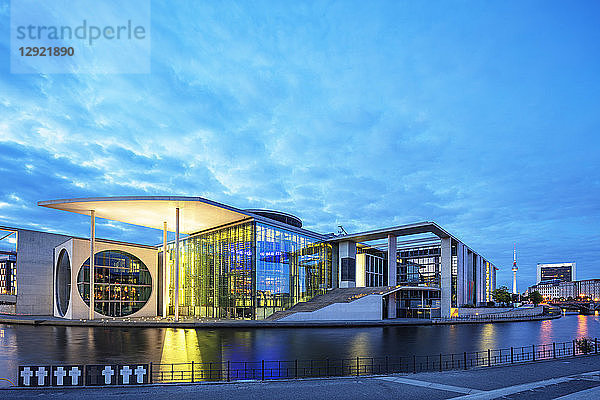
pixel 122 283
pixel 63 283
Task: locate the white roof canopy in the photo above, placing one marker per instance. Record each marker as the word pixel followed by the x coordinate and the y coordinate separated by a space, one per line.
pixel 195 213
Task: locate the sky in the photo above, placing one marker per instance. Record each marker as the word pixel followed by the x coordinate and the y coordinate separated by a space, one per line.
pixel 481 116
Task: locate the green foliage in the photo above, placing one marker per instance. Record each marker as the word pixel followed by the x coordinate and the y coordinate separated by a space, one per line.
pixel 585 345
pixel 502 295
pixel 536 298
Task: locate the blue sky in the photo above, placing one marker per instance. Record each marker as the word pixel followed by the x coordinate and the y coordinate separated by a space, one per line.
pixel 481 116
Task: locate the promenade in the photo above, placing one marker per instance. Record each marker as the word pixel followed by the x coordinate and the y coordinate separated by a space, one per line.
pixel 565 379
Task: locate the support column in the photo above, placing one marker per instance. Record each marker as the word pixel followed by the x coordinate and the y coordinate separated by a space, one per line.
pixel 177 264
pixel 92 269
pixel 480 281
pixel 469 279
pixel 446 278
pixel 392 260
pixel 165 265
pixel 460 274
pixel 391 311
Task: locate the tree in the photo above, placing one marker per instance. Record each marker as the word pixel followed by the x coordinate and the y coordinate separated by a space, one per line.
pixel 501 295
pixel 535 297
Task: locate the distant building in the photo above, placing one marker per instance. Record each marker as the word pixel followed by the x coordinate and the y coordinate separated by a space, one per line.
pixel 558 290
pixel 565 272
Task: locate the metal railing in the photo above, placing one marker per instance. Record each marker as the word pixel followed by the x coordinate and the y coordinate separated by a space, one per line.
pixel 359 366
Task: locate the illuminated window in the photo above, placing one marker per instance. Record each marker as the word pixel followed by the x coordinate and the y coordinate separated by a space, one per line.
pixel 122 283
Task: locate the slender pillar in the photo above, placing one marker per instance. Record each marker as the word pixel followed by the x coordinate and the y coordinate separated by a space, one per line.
pixel 392 305
pixel 446 272
pixel 392 260
pixel 165 265
pixel 177 264
pixel 92 272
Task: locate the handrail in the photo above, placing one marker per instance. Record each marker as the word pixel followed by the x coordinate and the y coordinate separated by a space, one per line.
pixel 295 369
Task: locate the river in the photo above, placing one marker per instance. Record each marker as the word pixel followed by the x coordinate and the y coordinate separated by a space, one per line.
pixel 37 345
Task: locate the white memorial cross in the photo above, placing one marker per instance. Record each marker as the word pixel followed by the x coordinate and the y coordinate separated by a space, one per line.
pixel 60 373
pixel 41 374
pixel 26 374
pixel 140 372
pixel 126 373
pixel 75 373
pixel 108 373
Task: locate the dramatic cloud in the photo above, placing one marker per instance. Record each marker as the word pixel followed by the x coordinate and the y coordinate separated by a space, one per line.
pixel 481 117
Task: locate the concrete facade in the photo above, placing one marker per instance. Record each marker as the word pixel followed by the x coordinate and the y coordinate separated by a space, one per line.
pixel 35 266
pixel 367 308
pixel 446 271
pixel 392 260
pixel 79 251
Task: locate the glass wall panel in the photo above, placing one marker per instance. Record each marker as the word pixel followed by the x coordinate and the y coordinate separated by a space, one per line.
pixel 247 271
pixel 122 283
pixel 290 268
pixel 420 265
pixel 215 274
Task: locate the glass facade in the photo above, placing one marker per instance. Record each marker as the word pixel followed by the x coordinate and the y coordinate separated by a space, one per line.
pixel 374 270
pixel 419 265
pixel 564 273
pixel 418 304
pixel 122 283
pixel 290 268
pixel 215 274
pixel 247 271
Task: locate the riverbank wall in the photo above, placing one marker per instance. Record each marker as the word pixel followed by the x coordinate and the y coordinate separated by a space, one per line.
pixel 201 324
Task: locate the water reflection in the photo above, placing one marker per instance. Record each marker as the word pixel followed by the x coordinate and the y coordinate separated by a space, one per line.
pixel 582 326
pixel 545 335
pixel 23 344
pixel 488 336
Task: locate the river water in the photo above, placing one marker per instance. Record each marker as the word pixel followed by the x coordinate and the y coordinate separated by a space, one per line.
pixel 38 345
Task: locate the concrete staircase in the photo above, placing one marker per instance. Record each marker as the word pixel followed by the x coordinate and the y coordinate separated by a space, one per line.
pixel 340 295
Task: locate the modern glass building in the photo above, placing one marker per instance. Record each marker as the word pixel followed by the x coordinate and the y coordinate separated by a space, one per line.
pixel 247 270
pixel 222 262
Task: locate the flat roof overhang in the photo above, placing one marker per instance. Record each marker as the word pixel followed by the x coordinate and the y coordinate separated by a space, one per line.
pixel 402 230
pixel 195 213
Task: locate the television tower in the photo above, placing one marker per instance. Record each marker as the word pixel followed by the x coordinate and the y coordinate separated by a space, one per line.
pixel 514 270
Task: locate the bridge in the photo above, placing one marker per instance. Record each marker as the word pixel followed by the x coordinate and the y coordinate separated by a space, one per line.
pixel 584 307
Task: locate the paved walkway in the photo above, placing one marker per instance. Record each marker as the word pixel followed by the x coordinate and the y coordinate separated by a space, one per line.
pixel 566 379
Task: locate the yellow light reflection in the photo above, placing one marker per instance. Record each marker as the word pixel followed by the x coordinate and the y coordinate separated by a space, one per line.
pixel 546 331
pixel 582 328
pixel 488 336
pixel 179 346
pixel 360 344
